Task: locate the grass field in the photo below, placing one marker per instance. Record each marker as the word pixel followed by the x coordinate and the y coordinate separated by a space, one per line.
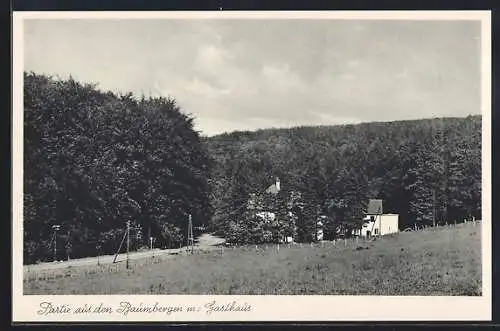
pixel 443 261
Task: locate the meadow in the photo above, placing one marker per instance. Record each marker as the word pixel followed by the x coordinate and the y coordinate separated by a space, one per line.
pixel 434 261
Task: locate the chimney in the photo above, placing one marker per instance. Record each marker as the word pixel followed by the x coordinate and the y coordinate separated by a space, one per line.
pixel 278 184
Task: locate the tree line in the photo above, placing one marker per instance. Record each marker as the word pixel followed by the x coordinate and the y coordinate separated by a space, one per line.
pixel 94 160
pixel 424 170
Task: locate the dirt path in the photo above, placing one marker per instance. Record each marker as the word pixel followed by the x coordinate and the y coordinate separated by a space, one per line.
pixel 205 242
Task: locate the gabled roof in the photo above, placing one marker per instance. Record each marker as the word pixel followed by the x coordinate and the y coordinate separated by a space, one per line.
pixel 272 189
pixel 374 207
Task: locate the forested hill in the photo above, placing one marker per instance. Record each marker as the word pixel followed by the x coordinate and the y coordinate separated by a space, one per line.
pixel 94 160
pixel 408 164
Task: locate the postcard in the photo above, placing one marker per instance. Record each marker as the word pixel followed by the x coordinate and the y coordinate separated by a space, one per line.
pixel 251 166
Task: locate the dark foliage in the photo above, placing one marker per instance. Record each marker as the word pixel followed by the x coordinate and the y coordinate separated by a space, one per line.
pixel 411 165
pixel 94 160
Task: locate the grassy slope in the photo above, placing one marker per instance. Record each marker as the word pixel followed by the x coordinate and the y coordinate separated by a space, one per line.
pixel 445 261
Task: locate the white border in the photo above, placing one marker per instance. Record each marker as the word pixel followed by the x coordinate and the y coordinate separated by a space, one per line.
pixel 265 308
pixel 348 15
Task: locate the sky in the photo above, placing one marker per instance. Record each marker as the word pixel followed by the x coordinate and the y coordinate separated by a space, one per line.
pixel 247 74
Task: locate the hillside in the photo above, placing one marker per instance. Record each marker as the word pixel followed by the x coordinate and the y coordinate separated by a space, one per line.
pixel 443 261
pixel 411 165
pixel 96 160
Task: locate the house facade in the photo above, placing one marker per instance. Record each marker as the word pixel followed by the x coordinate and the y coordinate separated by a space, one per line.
pixel 376 223
pixel 319 228
pixel 259 205
pixel 262 205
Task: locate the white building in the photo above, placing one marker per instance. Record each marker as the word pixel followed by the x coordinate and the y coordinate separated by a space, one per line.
pixel 319 228
pixel 267 216
pixel 275 188
pixel 375 223
pixel 379 225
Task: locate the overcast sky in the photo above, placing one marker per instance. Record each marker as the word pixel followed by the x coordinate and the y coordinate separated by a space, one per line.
pixel 248 74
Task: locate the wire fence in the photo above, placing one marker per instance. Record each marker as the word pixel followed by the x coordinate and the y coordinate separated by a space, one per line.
pixel 32 274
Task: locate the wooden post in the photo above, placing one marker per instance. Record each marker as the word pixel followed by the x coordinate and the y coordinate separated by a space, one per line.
pixel 55 246
pixel 190 239
pixel 119 247
pixel 68 245
pixel 98 255
pixel 151 246
pixel 434 207
pixel 55 228
pixel 128 244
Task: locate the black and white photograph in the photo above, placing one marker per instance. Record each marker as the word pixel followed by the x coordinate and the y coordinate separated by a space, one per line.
pixel 257 156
